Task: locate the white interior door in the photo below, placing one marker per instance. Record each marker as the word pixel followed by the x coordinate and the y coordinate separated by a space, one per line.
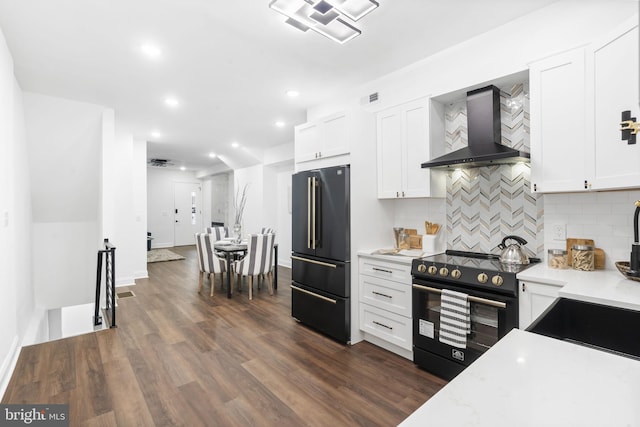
pixel 187 202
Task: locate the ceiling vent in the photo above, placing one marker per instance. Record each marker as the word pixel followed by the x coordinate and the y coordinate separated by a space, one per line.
pixel 159 163
pixel 373 97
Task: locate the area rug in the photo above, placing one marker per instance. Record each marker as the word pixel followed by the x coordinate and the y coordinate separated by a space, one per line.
pixel 158 255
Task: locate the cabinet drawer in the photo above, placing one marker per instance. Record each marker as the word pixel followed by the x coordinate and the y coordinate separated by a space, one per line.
pixel 387 326
pixel 386 294
pixel 386 270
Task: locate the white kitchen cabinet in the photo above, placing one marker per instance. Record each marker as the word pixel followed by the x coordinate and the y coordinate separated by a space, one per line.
pixel 326 137
pixel 576 99
pixel 534 298
pixel 403 144
pixel 557 99
pixel 612 68
pixel 385 303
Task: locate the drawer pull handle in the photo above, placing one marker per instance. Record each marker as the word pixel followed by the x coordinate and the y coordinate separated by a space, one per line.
pixel 313 294
pixel 382 270
pixel 324 264
pixel 383 325
pixel 382 295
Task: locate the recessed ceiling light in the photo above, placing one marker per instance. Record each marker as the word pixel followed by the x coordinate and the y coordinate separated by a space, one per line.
pixel 156 134
pixel 212 155
pixel 235 144
pixel 280 123
pixel 182 168
pixel 292 93
pixel 150 50
pixel 171 102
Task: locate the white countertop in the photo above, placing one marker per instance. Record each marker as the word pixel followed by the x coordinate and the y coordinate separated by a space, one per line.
pixel 532 380
pixel 394 258
pixel 607 287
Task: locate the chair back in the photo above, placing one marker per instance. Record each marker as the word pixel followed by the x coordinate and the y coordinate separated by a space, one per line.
pixel 267 230
pixel 219 233
pixel 208 262
pixel 259 255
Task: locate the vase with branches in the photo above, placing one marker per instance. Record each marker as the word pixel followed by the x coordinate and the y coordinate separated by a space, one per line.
pixel 239 202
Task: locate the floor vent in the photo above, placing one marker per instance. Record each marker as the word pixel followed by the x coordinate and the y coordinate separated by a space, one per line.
pixel 126 294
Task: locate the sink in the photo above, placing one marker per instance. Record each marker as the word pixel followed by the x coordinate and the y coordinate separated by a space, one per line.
pixel 612 329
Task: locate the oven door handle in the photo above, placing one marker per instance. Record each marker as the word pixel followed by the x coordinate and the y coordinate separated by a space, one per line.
pixel 471 298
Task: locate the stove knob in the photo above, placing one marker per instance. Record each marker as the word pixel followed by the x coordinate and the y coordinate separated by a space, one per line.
pixel 482 278
pixel 444 271
pixel 422 268
pixel 456 274
pixel 497 280
pixel 432 269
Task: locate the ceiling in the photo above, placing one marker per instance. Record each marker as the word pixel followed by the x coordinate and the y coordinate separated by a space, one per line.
pixel 228 63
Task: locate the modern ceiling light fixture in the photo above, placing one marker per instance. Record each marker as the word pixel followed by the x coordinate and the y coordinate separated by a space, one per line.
pixel 333 19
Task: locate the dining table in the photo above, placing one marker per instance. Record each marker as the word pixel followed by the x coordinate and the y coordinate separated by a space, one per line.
pixel 231 248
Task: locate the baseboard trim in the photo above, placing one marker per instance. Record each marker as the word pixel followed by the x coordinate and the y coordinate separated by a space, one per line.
pixel 8 365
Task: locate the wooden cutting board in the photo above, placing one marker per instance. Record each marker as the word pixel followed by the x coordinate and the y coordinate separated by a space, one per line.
pixel 598 258
pixel 574 241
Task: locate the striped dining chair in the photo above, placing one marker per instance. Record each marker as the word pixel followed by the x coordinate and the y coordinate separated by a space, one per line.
pixel 257 261
pixel 208 261
pixel 219 232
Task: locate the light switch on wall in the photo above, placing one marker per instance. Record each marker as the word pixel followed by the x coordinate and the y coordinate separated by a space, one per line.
pixel 559 231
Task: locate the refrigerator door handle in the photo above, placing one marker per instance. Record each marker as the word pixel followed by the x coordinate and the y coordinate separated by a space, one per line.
pixel 309 212
pixel 313 215
pixel 313 294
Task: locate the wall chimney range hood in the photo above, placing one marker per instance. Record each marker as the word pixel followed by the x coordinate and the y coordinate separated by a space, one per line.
pixel 483 128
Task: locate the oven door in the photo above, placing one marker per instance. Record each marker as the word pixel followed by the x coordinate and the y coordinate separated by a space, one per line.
pixel 492 317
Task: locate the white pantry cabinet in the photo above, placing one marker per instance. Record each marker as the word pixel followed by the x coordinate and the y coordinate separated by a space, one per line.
pixel 326 137
pixel 402 146
pixel 385 303
pixel 577 98
pixel 534 298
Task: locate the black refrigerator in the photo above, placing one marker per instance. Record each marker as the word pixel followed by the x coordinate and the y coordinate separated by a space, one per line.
pixel 320 262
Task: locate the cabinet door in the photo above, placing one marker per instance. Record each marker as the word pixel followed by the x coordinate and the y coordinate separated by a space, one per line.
pixel 534 299
pixel 557 96
pixel 613 70
pixel 334 135
pixel 389 132
pixel 307 142
pixel 416 181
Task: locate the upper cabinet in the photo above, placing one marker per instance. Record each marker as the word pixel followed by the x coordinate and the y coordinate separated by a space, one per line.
pixel 612 70
pixel 402 145
pixel 326 137
pixel 577 99
pixel 557 99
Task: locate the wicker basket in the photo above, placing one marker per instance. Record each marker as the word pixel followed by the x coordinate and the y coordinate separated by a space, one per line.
pixel 623 267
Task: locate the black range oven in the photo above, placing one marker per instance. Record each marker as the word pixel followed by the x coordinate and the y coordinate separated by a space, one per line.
pixel 492 294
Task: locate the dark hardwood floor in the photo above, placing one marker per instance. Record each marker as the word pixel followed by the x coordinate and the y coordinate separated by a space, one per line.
pixel 180 358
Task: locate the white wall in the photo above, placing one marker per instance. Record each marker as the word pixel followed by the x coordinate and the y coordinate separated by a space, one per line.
pixel 282 222
pixel 606 217
pixel 17 302
pixel 64 140
pixel 127 175
pixel 160 203
pixel 254 211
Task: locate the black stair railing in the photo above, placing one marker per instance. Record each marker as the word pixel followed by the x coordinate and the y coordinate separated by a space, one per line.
pixel 109 256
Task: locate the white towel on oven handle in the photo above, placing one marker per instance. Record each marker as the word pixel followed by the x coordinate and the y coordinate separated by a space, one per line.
pixel 455 318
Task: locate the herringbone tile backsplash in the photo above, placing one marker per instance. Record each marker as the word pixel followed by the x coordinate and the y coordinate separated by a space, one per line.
pixel 486 204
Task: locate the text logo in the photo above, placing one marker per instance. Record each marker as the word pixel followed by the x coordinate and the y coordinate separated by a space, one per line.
pixel 34 415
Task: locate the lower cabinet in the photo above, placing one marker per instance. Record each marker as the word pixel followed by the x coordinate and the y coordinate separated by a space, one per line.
pixel 385 303
pixel 535 297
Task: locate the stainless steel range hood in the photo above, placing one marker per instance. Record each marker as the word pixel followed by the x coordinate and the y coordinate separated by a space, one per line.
pixel 483 127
